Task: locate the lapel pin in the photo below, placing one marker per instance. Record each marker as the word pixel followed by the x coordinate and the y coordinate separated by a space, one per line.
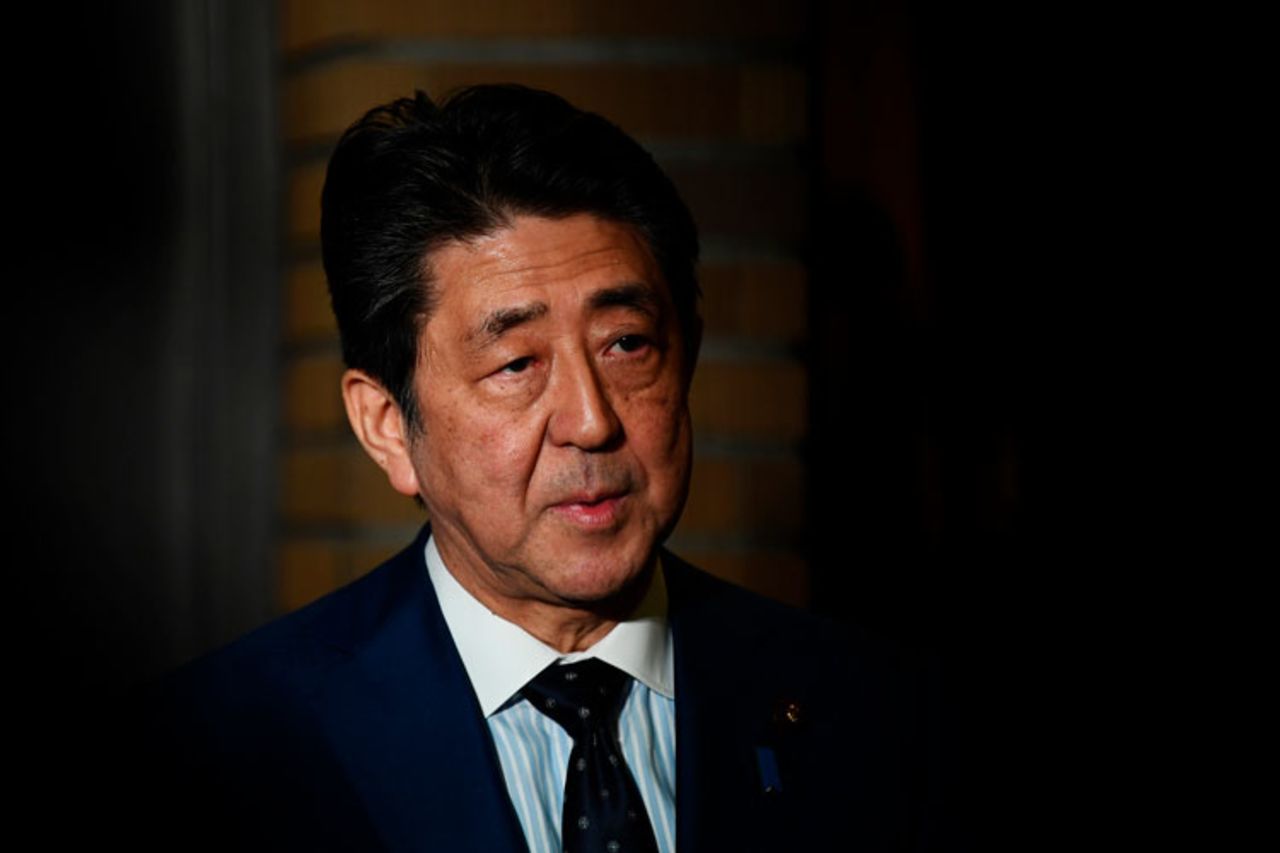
pixel 787 717
pixel 789 712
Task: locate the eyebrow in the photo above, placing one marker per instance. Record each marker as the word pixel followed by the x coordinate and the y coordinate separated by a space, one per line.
pixel 504 320
pixel 631 295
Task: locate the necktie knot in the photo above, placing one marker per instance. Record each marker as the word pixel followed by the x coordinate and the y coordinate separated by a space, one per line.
pixel 579 696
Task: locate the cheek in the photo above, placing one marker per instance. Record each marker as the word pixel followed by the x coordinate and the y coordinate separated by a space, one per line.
pixel 504 457
pixel 660 414
pixel 495 455
pixel 660 431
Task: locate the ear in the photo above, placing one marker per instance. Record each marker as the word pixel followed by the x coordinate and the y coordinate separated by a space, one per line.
pixel 379 423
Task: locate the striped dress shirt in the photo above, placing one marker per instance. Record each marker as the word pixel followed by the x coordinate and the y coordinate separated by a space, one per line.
pixel 501 658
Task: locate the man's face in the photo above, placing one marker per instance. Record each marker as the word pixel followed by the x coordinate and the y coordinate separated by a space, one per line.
pixel 555 445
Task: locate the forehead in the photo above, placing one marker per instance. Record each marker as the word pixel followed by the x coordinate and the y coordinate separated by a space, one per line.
pixel 539 258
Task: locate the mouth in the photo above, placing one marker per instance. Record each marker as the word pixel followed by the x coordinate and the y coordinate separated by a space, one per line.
pixel 592 511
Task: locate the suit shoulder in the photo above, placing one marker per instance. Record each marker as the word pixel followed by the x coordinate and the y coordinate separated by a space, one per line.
pixel 742 619
pixel 286 652
pixel 701 596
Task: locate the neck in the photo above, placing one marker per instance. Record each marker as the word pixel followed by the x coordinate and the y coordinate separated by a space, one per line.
pixel 566 626
pixel 573 631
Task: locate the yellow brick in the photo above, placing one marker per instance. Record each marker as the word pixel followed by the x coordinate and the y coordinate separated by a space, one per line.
pixel 773 103
pixel 312 397
pixel 309 23
pixel 713 497
pixel 305 184
pixel 764 401
pixel 306 571
pixel 307 315
pixel 686 102
pixel 755 203
pixel 773 496
pixel 774 300
pixel 312 485
pixel 747 496
pixel 721 297
pixel 342 486
pixel 764 300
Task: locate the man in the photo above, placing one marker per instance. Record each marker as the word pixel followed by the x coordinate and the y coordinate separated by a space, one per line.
pixel 514 285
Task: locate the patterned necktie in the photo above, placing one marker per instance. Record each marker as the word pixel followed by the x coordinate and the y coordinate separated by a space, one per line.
pixel 603 809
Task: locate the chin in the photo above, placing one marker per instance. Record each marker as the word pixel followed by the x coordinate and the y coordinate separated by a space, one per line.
pixel 595 582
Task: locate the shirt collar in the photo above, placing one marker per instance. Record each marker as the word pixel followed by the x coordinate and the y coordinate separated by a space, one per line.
pixel 501 657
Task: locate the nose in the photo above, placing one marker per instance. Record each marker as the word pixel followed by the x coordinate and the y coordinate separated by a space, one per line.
pixel 582 413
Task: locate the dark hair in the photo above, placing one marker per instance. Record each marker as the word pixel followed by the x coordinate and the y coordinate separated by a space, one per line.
pixel 411 176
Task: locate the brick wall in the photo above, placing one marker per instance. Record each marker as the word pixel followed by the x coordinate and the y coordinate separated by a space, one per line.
pixel 719 93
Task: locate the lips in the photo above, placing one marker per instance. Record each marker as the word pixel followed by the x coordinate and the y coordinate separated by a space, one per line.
pixel 591 510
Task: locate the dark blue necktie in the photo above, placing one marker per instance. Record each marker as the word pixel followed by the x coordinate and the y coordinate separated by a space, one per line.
pixel 603 809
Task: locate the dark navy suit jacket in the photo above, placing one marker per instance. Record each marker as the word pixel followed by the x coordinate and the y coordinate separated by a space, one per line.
pixel 351 725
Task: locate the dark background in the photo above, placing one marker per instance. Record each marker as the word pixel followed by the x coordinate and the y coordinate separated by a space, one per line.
pixel 141 187
pixel 143 261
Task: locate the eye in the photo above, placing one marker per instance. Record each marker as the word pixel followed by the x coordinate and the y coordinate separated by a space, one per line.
pixel 631 343
pixel 520 365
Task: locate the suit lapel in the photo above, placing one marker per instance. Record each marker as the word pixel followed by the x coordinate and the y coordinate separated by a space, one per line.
pixel 722 719
pixel 403 720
